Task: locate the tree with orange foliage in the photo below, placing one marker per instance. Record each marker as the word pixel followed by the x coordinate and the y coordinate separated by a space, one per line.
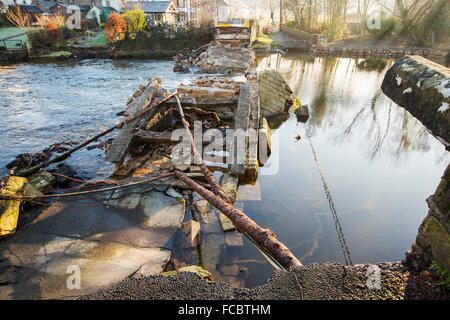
pixel 115 27
pixel 53 32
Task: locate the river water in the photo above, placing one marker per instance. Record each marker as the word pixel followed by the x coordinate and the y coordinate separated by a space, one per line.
pixel 351 183
pixel 43 104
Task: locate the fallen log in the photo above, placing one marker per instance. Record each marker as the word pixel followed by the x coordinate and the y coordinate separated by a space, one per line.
pixel 62 157
pixel 264 237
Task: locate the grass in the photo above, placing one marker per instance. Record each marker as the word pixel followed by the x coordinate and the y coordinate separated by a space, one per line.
pixel 262 41
pixel 97 40
pixel 443 274
pixel 60 54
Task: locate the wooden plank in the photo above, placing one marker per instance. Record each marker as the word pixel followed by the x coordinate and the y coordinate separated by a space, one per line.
pixel 154 137
pixel 234 240
pixel 226 224
pixel 241 123
pixel 206 103
pixel 302 113
pixel 119 147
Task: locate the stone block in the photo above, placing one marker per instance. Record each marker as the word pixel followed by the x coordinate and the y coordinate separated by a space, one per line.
pixel 234 239
pixel 423 88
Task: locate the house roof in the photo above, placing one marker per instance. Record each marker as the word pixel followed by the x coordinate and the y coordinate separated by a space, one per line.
pixel 45 5
pixel 107 8
pixel 155 6
pixel 31 8
pixel 83 7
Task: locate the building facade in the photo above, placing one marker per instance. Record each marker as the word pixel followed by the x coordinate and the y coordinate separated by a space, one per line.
pixel 13 2
pixel 164 12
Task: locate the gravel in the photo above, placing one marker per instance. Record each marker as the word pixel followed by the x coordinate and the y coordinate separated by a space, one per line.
pixel 328 281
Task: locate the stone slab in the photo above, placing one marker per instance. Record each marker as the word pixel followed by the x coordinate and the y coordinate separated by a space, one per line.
pixel 241 123
pixel 120 145
pixel 234 239
pixel 423 88
pixel 131 237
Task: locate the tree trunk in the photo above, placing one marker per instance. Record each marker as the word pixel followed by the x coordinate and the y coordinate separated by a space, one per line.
pixel 264 237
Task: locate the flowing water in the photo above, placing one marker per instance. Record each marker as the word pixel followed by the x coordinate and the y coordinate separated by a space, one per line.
pixel 348 186
pixel 43 104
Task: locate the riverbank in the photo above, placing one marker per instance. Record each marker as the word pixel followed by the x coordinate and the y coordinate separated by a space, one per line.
pixel 150 44
pixel 160 46
pixel 369 47
pixel 357 47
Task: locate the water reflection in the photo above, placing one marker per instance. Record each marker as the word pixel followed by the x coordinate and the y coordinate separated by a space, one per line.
pixel 333 87
pixel 375 166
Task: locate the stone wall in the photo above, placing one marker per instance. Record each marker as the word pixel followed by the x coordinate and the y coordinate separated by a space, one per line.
pixel 423 88
pixel 377 52
pixel 434 233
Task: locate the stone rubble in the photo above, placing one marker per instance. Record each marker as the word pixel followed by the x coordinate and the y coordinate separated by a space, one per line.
pixel 217 58
pixel 133 233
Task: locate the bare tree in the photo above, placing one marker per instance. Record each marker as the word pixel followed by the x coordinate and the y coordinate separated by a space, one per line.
pixel 19 18
pixel 414 15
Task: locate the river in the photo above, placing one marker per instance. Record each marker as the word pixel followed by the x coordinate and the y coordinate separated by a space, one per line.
pixel 43 104
pixel 352 189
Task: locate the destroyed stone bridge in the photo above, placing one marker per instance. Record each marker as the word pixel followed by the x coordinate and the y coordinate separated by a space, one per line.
pixel 133 231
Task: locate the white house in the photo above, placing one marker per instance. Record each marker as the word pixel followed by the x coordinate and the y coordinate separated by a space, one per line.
pixel 116 4
pixel 230 10
pixel 13 2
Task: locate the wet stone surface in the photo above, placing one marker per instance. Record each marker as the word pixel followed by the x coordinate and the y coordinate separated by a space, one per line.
pixel 132 237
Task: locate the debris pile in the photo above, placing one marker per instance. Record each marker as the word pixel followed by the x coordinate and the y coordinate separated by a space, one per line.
pixel 27 160
pixel 154 189
pixel 146 149
pixel 217 58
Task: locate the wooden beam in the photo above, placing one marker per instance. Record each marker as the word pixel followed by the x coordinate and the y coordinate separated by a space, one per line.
pixel 119 147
